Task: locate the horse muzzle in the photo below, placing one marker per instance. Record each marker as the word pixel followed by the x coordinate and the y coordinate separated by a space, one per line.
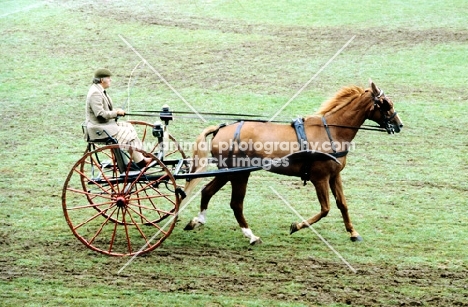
pixel 394 125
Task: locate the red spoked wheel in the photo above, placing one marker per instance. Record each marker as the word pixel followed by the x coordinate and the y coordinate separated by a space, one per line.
pixel 117 209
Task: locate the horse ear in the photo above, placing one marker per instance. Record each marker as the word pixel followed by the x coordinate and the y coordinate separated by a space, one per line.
pixel 374 88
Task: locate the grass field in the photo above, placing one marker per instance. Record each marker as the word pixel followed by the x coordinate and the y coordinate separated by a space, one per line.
pixel 407 193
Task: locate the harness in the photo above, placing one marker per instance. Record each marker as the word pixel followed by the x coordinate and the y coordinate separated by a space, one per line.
pixel 298 125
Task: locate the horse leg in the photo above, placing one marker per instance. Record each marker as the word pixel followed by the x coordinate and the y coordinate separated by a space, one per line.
pixel 337 190
pixel 239 188
pixel 207 192
pixel 322 189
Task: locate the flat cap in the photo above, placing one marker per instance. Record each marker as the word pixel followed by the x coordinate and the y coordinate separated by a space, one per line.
pixel 102 73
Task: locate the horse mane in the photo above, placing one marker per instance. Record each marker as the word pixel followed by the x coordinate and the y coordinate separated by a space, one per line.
pixel 342 98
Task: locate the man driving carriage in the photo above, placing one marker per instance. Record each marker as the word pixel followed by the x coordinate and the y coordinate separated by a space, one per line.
pixel 101 118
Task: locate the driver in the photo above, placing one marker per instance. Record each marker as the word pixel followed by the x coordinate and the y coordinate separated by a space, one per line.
pixel 101 118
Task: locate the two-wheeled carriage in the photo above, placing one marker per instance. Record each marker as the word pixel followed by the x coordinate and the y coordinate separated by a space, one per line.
pixel 117 208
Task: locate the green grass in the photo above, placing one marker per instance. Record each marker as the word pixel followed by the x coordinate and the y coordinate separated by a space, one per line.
pixel 407 193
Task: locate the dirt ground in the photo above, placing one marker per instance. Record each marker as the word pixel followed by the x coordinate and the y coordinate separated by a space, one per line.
pixel 247 275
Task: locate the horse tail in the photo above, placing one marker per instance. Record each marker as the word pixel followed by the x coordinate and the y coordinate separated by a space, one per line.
pixel 199 158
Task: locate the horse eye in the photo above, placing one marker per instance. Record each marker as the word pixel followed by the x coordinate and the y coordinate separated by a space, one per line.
pixel 386 106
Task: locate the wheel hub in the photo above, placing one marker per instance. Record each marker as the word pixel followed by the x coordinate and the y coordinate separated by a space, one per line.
pixel 121 201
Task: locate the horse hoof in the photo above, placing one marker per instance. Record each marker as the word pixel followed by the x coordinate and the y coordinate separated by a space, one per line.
pixel 189 226
pixel 293 228
pixel 256 242
pixel 356 239
pixel 192 225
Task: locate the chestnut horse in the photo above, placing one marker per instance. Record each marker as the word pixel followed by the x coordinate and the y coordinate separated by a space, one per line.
pixel 316 153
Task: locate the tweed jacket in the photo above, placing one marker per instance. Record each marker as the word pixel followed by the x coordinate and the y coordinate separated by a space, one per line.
pixel 100 115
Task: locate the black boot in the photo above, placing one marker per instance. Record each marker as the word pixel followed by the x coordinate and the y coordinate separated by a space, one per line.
pixel 141 164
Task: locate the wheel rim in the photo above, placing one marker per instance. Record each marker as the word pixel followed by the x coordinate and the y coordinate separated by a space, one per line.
pixel 116 210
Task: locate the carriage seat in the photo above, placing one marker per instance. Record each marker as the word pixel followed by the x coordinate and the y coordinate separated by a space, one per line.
pixel 106 139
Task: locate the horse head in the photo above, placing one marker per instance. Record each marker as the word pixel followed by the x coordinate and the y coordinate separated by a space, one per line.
pixel 386 116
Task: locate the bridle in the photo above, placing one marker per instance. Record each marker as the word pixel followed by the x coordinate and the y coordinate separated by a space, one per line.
pixel 386 122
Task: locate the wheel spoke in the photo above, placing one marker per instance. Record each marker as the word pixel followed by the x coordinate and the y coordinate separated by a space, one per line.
pixel 127 236
pixel 148 222
pixel 90 219
pixel 139 229
pixel 102 226
pixel 113 233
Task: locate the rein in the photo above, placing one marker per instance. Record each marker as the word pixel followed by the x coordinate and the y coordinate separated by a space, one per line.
pixel 215 118
pixel 203 113
pixel 363 127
